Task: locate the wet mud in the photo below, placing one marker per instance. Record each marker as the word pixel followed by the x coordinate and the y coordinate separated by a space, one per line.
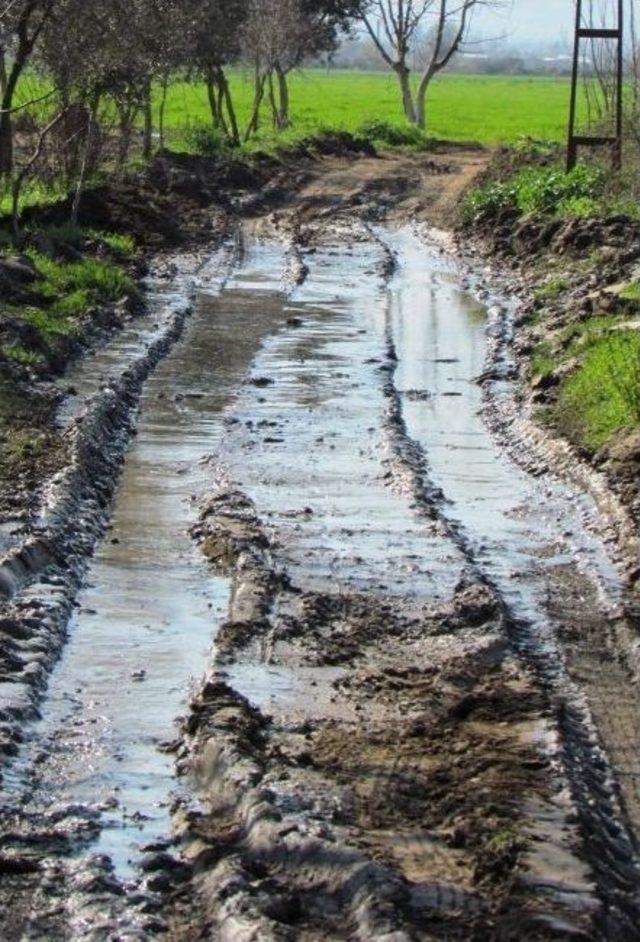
pixel 333 656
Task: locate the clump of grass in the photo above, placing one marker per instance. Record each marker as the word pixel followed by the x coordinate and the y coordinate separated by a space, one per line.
pixel 119 242
pixel 602 396
pixel 99 280
pixel 551 289
pixel 22 355
pixel 631 292
pixel 389 134
pixel 49 324
pixel 543 361
pixel 205 140
pixel 540 190
pixel 503 838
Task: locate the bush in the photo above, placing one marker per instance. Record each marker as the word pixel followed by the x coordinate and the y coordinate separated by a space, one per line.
pixel 394 135
pixel 544 190
pixel 206 141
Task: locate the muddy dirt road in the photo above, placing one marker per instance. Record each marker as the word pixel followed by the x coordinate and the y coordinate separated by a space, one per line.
pixel 341 666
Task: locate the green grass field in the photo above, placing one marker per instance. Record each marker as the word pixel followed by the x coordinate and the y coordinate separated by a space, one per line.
pixel 480 108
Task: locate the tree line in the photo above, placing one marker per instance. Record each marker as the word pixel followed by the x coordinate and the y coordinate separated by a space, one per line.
pixel 104 69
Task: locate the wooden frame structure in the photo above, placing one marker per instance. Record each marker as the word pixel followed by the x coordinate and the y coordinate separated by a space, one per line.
pixel 580 140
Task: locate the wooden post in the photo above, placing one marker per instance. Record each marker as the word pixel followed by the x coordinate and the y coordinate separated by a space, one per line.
pixel 572 150
pixel 585 140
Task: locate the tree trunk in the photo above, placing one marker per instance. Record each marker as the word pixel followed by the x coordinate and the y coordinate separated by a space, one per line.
pixel 421 100
pixel 254 121
pixel 213 102
pixel 84 166
pixel 273 103
pixel 404 80
pixel 6 124
pixel 147 140
pixel 127 115
pixel 3 72
pixel 161 112
pixel 234 133
pixel 282 116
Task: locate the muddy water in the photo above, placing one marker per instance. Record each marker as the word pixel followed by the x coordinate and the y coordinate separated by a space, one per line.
pixel 308 438
pixel 516 528
pixel 331 466
pixel 141 635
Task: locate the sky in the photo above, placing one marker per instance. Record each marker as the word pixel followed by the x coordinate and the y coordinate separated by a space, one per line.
pixel 535 20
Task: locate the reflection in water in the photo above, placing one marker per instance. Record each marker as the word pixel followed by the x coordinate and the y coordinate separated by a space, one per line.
pixel 517 527
pixel 147 619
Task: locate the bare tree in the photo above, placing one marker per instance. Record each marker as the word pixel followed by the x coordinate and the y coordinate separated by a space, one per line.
pixel 395 25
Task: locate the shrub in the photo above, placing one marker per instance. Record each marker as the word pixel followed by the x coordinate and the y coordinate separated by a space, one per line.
pixel 394 135
pixel 205 140
pixel 544 190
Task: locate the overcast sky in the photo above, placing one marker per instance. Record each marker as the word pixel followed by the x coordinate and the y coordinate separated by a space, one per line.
pixel 531 20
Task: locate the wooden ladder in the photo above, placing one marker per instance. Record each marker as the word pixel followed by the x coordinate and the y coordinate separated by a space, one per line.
pixel 581 140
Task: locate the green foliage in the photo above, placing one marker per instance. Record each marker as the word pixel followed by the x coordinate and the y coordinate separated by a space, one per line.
pixel 389 134
pixel 531 147
pixel 206 141
pixel 631 292
pixel 602 397
pixel 48 324
pixel 543 190
pixel 67 290
pixel 74 304
pixel 119 242
pixel 20 354
pixel 551 289
pixel 102 281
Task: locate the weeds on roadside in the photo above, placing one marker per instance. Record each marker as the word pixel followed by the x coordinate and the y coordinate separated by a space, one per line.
pixel 543 190
pixel 394 135
pixel 100 280
pixel 602 396
pixel 206 141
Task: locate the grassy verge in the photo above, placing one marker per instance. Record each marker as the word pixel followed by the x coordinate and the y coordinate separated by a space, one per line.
pixel 79 272
pixel 597 363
